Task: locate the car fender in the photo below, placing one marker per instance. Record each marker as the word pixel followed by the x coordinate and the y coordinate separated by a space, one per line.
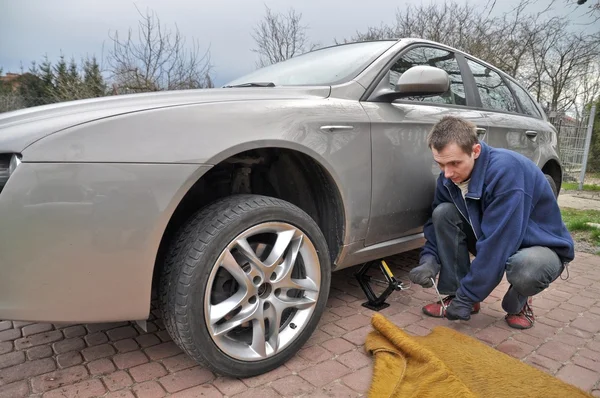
pixel 209 133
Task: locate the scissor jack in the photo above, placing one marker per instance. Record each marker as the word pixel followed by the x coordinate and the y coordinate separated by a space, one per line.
pixel 375 302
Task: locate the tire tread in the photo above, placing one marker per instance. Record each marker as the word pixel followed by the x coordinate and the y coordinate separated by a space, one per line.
pixel 190 243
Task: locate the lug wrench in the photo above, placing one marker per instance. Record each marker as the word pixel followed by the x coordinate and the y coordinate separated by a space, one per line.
pixel 439 295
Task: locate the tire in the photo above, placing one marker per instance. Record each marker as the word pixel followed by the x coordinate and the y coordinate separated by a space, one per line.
pixel 552 185
pixel 216 318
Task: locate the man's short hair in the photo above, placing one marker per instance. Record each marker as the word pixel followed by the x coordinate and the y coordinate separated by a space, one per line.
pixel 451 129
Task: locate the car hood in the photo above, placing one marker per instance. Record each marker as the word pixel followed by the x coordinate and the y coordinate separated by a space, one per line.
pixel 21 128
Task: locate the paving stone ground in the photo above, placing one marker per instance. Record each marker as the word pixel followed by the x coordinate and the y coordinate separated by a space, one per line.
pixel 583 200
pixel 121 360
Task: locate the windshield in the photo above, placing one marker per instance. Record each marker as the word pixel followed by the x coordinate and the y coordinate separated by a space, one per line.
pixel 326 66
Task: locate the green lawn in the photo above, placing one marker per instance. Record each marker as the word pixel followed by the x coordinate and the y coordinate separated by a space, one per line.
pixel 572 186
pixel 576 222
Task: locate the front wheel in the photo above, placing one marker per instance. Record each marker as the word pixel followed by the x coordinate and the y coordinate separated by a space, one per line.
pixel 245 284
pixel 552 185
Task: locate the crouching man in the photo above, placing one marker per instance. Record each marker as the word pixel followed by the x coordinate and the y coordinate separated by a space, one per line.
pixel 497 205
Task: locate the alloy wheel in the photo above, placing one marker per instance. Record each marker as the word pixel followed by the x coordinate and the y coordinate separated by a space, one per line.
pixel 262 291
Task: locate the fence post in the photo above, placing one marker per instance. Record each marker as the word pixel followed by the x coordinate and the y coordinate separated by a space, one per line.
pixel 588 139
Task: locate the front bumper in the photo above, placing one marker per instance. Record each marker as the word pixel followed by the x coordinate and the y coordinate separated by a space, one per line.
pixel 78 241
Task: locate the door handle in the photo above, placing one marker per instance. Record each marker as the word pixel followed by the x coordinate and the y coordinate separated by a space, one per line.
pixel 331 129
pixel 531 133
pixel 481 131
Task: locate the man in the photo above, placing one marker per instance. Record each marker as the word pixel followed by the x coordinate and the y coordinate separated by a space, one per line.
pixel 497 205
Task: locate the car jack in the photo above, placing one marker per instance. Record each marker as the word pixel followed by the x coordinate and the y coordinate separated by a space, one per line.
pixel 375 302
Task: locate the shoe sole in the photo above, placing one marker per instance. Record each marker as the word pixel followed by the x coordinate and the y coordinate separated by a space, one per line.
pixel 520 327
pixel 442 316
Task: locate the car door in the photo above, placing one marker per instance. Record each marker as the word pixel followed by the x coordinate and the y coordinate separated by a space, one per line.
pixel 403 170
pixel 538 132
pixel 509 126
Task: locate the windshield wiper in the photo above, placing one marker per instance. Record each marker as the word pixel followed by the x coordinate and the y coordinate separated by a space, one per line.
pixel 253 84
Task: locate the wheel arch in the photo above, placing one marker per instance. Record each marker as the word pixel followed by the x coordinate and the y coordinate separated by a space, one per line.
pixel 258 169
pixel 553 168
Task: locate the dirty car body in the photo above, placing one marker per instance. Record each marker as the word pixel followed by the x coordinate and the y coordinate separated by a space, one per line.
pixel 98 197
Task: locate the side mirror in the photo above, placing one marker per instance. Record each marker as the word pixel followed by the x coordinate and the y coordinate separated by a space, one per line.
pixel 423 80
pixel 418 80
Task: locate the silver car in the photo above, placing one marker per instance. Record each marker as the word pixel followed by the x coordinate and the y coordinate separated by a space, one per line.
pixel 235 205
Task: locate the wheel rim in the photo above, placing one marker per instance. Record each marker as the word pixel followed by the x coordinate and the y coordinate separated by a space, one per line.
pixel 268 275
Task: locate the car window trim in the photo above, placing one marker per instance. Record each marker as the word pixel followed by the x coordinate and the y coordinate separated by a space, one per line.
pixel 520 108
pixel 469 81
pixel 367 96
pixel 499 73
pixel 481 108
pixel 506 79
pixel 453 106
pixel 471 93
pixel 512 80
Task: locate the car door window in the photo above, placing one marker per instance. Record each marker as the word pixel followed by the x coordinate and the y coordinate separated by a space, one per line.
pixel 494 93
pixel 433 57
pixel 525 100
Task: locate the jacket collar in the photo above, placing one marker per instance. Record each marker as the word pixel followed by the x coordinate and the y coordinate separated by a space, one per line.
pixel 478 174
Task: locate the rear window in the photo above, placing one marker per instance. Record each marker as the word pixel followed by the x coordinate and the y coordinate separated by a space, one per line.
pixel 493 92
pixel 527 104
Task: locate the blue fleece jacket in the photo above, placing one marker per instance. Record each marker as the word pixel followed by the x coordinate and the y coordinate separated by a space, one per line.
pixel 510 206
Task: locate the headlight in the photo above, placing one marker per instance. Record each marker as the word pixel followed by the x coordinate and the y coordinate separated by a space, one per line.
pixel 8 165
pixel 15 161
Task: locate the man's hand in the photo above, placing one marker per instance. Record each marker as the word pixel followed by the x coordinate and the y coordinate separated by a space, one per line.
pixel 428 268
pixel 459 309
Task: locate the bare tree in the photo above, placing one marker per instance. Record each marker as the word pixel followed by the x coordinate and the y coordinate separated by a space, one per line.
pixel 280 36
pixel 591 7
pixel 449 22
pixel 157 59
pixel 533 47
pixel 513 35
pixel 565 67
pixel 381 32
pixel 502 41
pixel 588 87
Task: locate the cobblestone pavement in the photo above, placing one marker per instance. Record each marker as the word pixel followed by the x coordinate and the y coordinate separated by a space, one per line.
pixel 120 360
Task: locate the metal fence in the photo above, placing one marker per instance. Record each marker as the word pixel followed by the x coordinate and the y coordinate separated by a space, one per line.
pixel 574 138
pixel 10 103
pixel 13 102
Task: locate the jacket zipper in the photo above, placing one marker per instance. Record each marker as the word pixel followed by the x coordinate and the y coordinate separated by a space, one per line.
pixel 461 213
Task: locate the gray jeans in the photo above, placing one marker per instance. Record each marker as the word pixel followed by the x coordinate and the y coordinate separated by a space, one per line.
pixel 529 270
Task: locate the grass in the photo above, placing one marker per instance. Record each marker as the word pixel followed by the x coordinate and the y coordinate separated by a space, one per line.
pixel 572 186
pixel 576 222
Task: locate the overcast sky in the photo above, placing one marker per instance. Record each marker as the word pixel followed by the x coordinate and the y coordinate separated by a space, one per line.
pixel 31 28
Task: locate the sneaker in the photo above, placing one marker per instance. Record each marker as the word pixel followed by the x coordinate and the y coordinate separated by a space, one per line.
pixel 522 320
pixel 437 311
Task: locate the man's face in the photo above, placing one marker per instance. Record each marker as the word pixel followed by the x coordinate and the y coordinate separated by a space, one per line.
pixel 455 163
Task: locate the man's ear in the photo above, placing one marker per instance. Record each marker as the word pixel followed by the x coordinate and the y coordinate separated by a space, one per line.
pixel 476 150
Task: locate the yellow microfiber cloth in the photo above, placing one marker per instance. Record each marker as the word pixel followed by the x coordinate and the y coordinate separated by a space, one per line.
pixel 446 363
